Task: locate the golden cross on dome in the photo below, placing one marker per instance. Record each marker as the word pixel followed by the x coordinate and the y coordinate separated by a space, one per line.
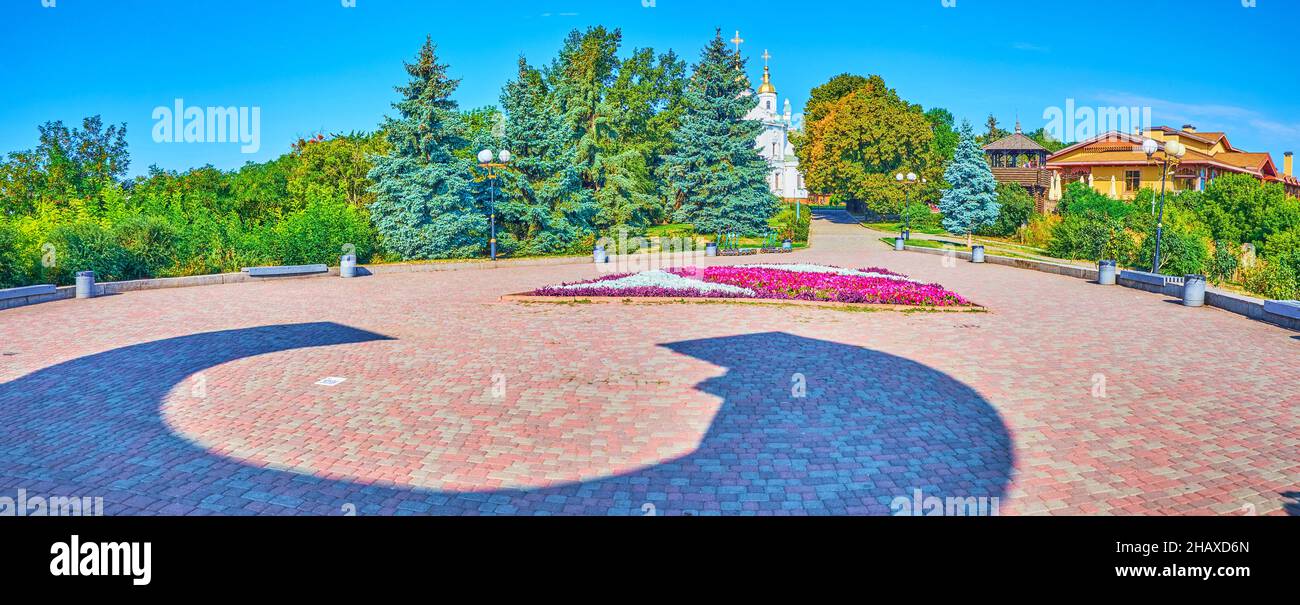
pixel 737 41
pixel 766 57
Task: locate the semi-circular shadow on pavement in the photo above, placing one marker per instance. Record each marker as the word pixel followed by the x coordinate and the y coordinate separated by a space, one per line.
pixel 805 427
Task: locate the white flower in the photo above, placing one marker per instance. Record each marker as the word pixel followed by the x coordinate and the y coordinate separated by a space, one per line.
pixel 827 269
pixel 660 279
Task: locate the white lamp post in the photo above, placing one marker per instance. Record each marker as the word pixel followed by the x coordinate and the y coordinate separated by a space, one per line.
pixel 906 179
pixel 1174 152
pixel 485 162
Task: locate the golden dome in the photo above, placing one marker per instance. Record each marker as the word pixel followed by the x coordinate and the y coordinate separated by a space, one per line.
pixel 766 88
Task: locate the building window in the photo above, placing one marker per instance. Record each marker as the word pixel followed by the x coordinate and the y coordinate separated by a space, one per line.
pixel 778 181
pixel 1132 180
pixel 769 106
pixel 774 156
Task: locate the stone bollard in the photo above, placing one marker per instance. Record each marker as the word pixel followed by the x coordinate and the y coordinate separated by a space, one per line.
pixel 86 284
pixel 711 249
pixel 348 265
pixel 599 255
pixel 1106 272
pixel 1194 291
pixel 977 254
pixel 899 242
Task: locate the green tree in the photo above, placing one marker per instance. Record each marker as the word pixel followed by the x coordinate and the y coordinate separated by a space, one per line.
pixel 1015 206
pixel 424 206
pixel 720 177
pixel 861 141
pixel 971 200
pixel 545 207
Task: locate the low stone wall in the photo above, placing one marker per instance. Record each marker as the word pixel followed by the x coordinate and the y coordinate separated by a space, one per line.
pixel 1172 286
pixel 1019 263
pixel 119 287
pixel 22 301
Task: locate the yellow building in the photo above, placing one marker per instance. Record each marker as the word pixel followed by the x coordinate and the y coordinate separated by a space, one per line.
pixel 1115 165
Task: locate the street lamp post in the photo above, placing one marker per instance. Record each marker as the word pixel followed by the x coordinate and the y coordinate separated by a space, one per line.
pixel 485 162
pixel 906 179
pixel 1174 152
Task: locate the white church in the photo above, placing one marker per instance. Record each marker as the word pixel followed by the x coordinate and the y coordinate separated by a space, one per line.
pixel 774 145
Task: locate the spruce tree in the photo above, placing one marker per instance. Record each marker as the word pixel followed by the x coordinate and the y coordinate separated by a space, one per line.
pixel 425 205
pixel 719 177
pixel 971 201
pixel 546 208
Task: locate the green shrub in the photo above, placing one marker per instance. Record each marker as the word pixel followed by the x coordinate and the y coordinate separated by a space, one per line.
pixel 1273 280
pixel 1223 263
pixel 1079 199
pixel 86 246
pixel 320 232
pixel 1091 236
pixel 149 245
pixel 1181 253
pixel 1015 208
pixel 785 225
pixel 12 266
pixel 1038 232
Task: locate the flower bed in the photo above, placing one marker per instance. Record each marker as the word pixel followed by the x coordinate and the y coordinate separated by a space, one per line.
pixel 794 282
pixel 832 284
pixel 647 284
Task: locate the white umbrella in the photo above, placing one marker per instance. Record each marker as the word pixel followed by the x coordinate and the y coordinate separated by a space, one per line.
pixel 1113 192
pixel 1054 193
pixel 1090 181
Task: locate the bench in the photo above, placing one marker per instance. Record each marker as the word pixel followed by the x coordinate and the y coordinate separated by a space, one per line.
pixel 1285 308
pixel 1151 279
pixel 285 271
pixel 27 291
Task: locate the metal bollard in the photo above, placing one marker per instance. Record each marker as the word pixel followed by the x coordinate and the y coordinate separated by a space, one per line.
pixel 711 249
pixel 977 254
pixel 599 255
pixel 1194 291
pixel 86 284
pixel 348 265
pixel 1106 272
pixel 899 242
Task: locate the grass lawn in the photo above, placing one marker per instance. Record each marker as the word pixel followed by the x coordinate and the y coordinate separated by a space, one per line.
pixel 898 228
pixel 926 243
pixel 688 230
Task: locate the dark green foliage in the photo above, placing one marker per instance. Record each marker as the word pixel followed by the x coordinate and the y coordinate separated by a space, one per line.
pixel 86 246
pixel 1223 264
pixel 12 272
pixel 920 216
pixel 1181 252
pixel 788 226
pixel 324 229
pixel 149 246
pixel 425 206
pixel 1015 206
pixel 1091 236
pixel 1079 198
pixel 720 178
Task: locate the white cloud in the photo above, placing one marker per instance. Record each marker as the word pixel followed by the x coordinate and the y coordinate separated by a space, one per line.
pixel 1210 116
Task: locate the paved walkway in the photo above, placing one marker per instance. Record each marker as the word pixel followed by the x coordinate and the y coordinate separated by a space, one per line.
pixel 1065 398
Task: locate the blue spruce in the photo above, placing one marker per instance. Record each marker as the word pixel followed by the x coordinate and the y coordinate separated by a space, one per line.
pixel 972 200
pixel 719 178
pixel 425 206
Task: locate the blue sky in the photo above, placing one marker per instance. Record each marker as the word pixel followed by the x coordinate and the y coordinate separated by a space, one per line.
pixel 318 66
